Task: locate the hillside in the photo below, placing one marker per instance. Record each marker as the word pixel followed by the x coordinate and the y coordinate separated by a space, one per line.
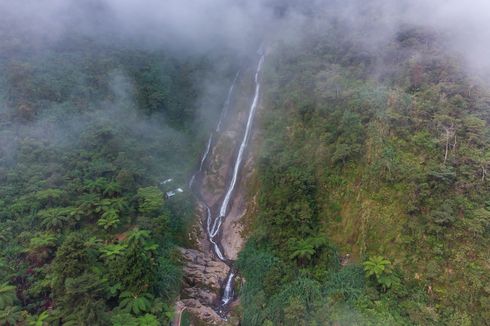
pixel 372 184
pixel 251 162
pixel 88 133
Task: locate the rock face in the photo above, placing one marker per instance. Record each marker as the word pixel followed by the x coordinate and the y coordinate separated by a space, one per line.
pixel 203 313
pixel 203 276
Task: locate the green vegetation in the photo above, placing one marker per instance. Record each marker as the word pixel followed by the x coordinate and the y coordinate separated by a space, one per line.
pixel 372 186
pixel 88 132
pixel 373 193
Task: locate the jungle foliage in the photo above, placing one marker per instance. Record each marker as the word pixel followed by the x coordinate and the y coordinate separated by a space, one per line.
pixel 88 130
pixel 372 185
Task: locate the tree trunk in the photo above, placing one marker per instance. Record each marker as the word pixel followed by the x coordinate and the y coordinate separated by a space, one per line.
pixel 447 145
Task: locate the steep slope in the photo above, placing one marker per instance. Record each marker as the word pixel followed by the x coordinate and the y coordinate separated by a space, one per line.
pixel 372 182
pixel 90 134
pixel 219 186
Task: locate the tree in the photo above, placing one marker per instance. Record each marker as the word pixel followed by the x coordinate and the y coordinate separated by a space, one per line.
pixel 449 127
pixel 111 250
pixel 137 269
pixel 150 200
pixel 376 266
pixel 444 214
pixel 123 318
pixel 7 295
pixel 109 219
pixel 148 320
pixel 305 249
pixel 379 268
pixel 10 315
pixel 98 185
pixel 56 218
pixel 71 260
pixel 82 301
pixel 136 304
pixel 41 248
pixel 49 197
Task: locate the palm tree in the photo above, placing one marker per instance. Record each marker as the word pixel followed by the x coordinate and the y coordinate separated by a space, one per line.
pixel 48 197
pixel 376 266
pixel 109 219
pixel 87 207
pixel 111 189
pixel 42 240
pixel 380 268
pixel 112 250
pixel 138 237
pixel 56 218
pixel 136 304
pixel 104 187
pixel 97 185
pixel 303 251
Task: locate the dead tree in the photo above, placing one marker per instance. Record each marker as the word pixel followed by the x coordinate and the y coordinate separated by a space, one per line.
pixel 449 134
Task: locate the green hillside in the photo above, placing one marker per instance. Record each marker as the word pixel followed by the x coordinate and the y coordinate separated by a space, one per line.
pixel 352 161
pixel 372 183
pixel 88 132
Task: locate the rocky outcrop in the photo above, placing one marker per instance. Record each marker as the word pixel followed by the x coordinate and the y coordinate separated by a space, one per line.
pixel 203 276
pixel 202 313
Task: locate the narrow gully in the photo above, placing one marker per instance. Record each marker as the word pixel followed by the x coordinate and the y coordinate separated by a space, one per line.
pixel 213 226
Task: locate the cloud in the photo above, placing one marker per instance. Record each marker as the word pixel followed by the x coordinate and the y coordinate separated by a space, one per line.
pixel 194 24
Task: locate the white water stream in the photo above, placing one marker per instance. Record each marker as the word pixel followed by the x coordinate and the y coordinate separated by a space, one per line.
pixel 213 227
pixel 228 292
pixel 226 201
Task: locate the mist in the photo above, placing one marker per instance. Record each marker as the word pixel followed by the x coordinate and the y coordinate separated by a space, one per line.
pixel 201 24
pixel 232 29
pixel 129 92
pixel 462 26
pixel 194 25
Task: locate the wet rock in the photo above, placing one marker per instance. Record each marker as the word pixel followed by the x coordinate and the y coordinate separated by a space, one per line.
pixel 203 276
pixel 203 313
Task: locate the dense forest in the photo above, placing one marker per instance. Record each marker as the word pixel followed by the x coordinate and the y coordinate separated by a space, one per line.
pixel 366 183
pixel 89 130
pixel 372 185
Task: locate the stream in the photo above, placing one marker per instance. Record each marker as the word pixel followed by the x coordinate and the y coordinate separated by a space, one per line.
pixel 213 225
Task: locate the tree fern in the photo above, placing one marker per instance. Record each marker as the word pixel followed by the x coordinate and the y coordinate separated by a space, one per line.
pixel 7 295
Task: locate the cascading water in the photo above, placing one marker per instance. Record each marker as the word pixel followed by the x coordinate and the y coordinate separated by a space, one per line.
pixel 213 226
pixel 228 291
pixel 226 201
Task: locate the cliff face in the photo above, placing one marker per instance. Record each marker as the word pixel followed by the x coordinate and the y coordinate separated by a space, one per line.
pixel 204 274
pixel 203 278
pixel 370 160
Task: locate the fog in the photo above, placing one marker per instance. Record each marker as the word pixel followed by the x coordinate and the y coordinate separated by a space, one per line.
pixel 234 27
pixel 191 24
pixel 464 26
pixel 207 24
pixel 54 100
